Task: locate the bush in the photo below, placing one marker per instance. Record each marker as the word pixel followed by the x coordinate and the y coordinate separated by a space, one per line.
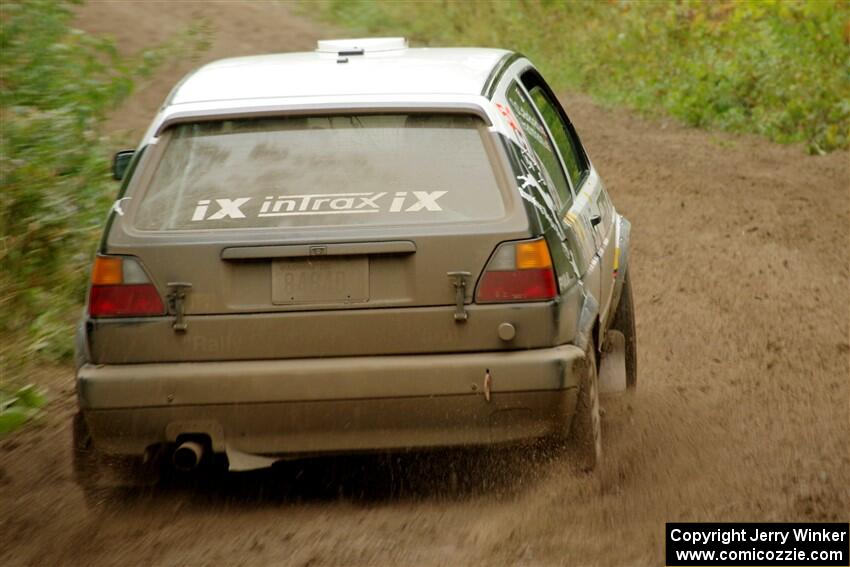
pixel 17 408
pixel 776 68
pixel 57 85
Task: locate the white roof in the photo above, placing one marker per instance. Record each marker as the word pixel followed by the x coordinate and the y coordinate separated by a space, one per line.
pixel 388 68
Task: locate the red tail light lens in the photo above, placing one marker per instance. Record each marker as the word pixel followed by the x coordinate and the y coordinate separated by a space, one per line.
pixel 121 288
pixel 520 285
pixel 518 271
pixel 124 300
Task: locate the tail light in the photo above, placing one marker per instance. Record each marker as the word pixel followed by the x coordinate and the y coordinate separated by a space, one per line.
pixel 121 288
pixel 518 271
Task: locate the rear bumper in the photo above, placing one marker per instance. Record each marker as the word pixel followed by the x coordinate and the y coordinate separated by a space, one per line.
pixel 311 406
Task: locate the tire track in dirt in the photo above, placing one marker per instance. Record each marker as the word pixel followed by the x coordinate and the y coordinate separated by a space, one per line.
pixel 741 277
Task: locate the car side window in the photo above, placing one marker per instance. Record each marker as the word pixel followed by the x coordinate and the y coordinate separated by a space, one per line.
pixel 540 143
pixel 562 131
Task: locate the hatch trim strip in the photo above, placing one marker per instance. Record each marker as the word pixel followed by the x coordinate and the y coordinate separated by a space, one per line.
pixel 242 253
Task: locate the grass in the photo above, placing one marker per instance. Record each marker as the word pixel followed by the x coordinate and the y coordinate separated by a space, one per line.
pixel 780 69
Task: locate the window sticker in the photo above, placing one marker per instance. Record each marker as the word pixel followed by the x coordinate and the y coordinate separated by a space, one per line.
pixel 116 206
pixel 531 182
pixel 318 204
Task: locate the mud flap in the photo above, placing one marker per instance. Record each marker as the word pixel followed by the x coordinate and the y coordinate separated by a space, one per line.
pixel 612 370
pixel 239 461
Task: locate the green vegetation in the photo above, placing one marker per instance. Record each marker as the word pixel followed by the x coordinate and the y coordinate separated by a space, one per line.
pixel 56 86
pixel 17 408
pixel 777 68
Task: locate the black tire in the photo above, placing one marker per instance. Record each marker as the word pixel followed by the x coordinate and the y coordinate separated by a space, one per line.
pixel 88 471
pixel 98 475
pixel 585 441
pixel 624 321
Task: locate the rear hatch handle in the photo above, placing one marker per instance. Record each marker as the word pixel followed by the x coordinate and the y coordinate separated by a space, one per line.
pixel 242 253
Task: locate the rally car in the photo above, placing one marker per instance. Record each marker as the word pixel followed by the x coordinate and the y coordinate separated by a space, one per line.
pixel 367 247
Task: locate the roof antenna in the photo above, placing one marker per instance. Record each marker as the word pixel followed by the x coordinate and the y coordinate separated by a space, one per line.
pixel 344 53
pixel 360 45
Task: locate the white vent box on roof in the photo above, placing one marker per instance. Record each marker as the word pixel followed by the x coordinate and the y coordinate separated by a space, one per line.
pixel 361 45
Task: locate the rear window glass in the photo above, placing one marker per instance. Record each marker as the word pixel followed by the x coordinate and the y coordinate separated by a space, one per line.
pixel 322 171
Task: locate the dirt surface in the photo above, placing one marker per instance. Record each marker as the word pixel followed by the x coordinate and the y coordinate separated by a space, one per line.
pixel 740 271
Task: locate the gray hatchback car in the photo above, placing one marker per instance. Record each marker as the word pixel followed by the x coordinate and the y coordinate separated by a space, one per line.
pixel 367 247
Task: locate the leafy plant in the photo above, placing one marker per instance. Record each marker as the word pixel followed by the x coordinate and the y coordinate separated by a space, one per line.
pixel 56 86
pixel 17 408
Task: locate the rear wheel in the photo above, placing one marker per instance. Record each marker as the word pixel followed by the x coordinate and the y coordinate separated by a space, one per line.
pixel 585 439
pixel 624 321
pixel 97 475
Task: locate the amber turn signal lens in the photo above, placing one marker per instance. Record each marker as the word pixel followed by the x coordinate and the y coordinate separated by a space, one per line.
pixel 107 271
pixel 532 255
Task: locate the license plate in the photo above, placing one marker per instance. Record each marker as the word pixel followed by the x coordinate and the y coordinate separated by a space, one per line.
pixel 320 280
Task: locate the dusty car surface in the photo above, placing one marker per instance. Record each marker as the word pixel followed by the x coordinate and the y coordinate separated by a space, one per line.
pixel 368 247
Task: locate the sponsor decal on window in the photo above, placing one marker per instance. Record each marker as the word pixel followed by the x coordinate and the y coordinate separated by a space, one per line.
pixel 319 204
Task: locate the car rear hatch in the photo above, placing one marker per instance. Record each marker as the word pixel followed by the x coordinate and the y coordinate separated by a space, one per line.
pixel 306 236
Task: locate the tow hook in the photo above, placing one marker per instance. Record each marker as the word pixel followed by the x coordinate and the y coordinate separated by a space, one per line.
pixel 176 298
pixel 459 281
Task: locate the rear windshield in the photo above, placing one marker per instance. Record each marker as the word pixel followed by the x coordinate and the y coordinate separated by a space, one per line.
pixel 322 171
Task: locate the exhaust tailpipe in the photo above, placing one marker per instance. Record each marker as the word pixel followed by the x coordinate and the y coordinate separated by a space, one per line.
pixel 187 456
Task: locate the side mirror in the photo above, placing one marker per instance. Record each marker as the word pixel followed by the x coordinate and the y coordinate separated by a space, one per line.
pixel 121 162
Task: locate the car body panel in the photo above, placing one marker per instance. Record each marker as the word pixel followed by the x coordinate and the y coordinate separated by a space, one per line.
pixel 299 406
pixel 282 430
pixel 399 72
pixel 325 333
